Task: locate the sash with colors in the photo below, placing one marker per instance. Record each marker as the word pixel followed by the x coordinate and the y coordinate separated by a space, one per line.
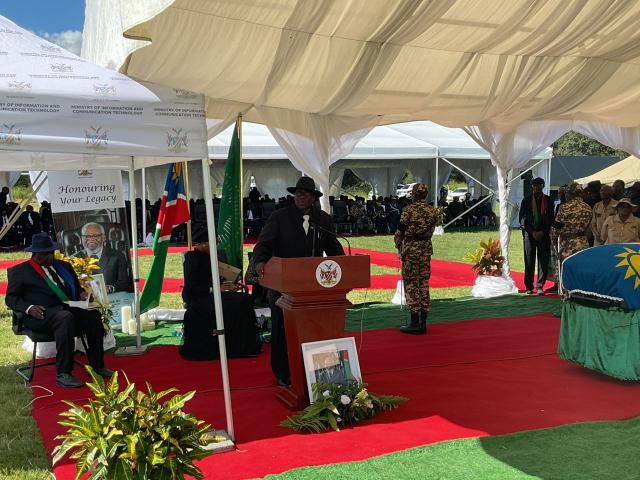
pixel 608 271
pixel 64 274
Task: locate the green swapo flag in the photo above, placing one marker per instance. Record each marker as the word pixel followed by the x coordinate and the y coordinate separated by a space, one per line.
pixel 230 219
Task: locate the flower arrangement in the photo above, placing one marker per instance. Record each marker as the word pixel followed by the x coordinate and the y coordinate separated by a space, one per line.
pixel 336 406
pixel 131 434
pixel 487 260
pixel 84 269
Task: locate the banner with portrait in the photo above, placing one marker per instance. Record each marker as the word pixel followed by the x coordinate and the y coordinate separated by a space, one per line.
pixel 102 234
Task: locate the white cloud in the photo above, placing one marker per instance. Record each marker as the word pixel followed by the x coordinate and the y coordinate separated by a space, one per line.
pixel 69 39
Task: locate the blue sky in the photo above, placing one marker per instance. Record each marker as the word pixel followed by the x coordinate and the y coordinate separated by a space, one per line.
pixel 59 21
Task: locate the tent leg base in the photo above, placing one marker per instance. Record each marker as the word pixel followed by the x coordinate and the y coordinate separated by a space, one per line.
pixel 225 445
pixel 133 350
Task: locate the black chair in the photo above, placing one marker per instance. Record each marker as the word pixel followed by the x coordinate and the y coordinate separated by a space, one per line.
pixel 341 216
pixel 19 329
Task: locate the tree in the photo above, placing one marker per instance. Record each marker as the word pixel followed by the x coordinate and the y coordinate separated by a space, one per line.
pixel 576 144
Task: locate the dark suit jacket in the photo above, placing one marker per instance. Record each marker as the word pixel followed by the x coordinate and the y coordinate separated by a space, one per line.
pixel 25 287
pixel 526 215
pixel 115 268
pixel 283 236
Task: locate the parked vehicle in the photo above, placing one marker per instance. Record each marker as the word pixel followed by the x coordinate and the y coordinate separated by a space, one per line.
pixel 404 189
pixel 458 192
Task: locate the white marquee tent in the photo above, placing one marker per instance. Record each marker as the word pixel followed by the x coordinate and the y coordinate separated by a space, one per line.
pixel 627 170
pixel 61 112
pixel 516 76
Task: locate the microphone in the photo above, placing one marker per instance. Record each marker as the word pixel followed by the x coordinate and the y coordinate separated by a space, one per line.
pixel 335 234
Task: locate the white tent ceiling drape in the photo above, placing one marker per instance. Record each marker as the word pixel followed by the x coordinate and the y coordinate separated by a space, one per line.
pixel 521 72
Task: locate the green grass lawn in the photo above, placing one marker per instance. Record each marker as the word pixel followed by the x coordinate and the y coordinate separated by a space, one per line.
pixel 22 456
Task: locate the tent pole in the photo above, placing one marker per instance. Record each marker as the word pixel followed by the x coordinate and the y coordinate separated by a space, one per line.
pixel 241 187
pixel 436 181
pixel 217 298
pixel 144 206
pixel 188 195
pixel 139 348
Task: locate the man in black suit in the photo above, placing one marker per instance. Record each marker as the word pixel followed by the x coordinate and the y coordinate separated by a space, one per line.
pixel 113 264
pixel 31 224
pixel 39 288
pixel 536 218
pixel 291 232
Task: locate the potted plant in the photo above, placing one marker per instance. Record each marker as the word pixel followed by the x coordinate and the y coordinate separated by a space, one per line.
pixel 488 262
pixel 488 259
pixel 130 434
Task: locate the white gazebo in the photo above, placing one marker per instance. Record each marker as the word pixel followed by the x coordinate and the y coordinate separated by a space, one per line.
pixel 62 112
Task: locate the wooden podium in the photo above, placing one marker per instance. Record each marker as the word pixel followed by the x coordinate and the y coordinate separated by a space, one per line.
pixel 314 298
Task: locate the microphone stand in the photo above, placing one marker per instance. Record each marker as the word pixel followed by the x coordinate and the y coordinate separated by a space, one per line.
pixel 335 234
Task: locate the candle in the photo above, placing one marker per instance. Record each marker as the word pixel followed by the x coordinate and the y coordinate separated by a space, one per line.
pixel 133 327
pixel 125 316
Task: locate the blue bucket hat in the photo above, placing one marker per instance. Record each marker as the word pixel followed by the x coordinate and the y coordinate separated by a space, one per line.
pixel 41 242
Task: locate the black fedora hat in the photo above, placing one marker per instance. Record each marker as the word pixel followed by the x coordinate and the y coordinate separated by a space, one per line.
pixel 537 181
pixel 305 183
pixel 41 242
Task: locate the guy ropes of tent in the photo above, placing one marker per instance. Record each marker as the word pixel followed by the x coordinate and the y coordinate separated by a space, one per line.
pixel 321 74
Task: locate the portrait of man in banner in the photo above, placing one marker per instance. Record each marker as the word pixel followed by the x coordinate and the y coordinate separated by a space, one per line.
pixel 103 235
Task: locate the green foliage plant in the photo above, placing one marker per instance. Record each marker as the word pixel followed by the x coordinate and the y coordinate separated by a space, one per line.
pixel 130 434
pixel 335 406
pixel 488 259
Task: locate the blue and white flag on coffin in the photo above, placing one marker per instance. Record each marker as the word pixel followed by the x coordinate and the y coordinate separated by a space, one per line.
pixel 608 271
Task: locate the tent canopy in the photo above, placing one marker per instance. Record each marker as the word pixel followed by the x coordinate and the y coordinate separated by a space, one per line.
pixel 627 170
pixel 455 62
pixel 61 112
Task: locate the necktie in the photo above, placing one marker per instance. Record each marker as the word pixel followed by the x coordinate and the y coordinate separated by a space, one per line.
pixel 56 278
pixel 305 224
pixel 29 218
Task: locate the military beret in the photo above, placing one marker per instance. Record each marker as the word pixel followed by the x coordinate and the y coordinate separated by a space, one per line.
pixel 420 190
pixel 574 189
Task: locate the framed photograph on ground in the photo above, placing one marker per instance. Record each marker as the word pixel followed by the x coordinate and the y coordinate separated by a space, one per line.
pixel 331 361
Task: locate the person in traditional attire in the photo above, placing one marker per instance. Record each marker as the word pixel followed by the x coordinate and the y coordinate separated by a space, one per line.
pixel 413 242
pixel 40 288
pixel 291 232
pixel 536 217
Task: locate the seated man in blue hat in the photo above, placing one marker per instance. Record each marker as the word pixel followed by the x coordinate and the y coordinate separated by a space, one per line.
pixel 40 288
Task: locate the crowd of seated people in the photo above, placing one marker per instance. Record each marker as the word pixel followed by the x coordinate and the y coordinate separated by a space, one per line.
pixel 28 223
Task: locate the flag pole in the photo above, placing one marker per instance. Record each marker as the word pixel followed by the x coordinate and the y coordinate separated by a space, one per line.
pixel 144 206
pixel 187 193
pixel 217 297
pixel 241 180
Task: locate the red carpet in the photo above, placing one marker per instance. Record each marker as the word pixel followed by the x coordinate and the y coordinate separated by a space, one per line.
pixel 463 379
pixel 444 274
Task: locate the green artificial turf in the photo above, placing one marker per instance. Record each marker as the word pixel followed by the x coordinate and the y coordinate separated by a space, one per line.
pixel 384 315
pixel 583 451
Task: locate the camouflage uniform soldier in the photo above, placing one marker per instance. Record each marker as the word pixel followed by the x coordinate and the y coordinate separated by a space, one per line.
pixel 572 222
pixel 413 241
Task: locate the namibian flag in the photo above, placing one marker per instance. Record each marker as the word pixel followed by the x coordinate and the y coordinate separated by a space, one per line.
pixel 174 211
pixel 609 271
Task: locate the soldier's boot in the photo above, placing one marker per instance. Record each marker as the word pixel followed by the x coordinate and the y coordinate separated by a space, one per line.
pixel 414 327
pixel 423 322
